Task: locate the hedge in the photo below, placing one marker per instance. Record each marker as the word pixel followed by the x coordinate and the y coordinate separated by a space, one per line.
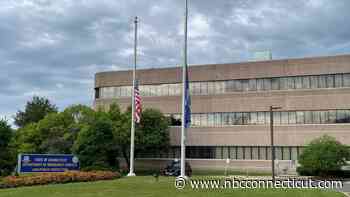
pixel 57 177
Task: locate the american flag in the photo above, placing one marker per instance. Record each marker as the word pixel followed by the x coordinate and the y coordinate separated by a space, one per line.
pixel 138 108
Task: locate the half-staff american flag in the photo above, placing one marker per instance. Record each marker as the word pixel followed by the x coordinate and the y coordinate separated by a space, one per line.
pixel 138 108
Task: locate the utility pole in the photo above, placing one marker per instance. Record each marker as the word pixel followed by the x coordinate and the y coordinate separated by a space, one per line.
pixel 272 142
pixel 132 138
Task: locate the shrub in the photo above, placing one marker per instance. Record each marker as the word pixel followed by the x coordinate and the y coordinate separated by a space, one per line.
pixel 324 156
pixel 58 177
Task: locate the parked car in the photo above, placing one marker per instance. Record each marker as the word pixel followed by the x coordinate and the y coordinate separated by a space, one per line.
pixel 173 168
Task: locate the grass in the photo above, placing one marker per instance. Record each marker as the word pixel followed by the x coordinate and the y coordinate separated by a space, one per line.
pixel 148 187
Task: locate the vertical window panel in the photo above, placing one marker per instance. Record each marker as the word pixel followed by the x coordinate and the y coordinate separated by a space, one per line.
pixel 177 89
pixel 286 153
pixel 218 119
pixel 338 80
pixel 300 117
pixel 283 83
pixel 292 117
pixel 211 119
pixel 316 117
pixel 323 117
pixel 314 82
pixel 278 153
pixel 237 85
pixel 294 153
pixel 322 81
pixel 298 82
pixel 232 118
pixel 284 117
pixel 211 88
pixel 277 117
pixel 252 84
pixel 330 81
pixel 267 84
pixel 238 118
pixel 204 120
pixel 290 83
pixel 255 153
pixel 267 117
pixel 332 116
pixel 229 86
pixel 308 117
pixel 261 117
pixel 219 87
pixel 262 150
pixel 346 80
pixel 306 82
pixel 245 118
pixel 245 85
pixel 260 84
pixel 253 119
pixel 226 118
pixel 275 83
pixel 240 152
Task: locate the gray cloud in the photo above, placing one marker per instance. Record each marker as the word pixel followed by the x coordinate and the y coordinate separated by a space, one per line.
pixel 53 48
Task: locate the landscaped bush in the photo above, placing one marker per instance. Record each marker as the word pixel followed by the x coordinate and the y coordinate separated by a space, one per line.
pixel 324 156
pixel 58 177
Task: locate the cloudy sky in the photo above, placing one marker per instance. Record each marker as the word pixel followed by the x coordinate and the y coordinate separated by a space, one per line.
pixel 52 48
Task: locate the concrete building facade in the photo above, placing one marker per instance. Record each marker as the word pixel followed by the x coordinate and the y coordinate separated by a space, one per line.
pixel 230 107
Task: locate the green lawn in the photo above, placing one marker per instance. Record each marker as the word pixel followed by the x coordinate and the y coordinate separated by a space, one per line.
pixel 147 186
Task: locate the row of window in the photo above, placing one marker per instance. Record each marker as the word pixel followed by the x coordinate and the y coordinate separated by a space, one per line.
pixel 260 118
pixel 238 85
pixel 224 152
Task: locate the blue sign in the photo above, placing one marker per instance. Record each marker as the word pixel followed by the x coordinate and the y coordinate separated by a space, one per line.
pixel 47 163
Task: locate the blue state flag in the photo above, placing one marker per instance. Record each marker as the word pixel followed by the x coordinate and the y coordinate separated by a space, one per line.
pixel 187 102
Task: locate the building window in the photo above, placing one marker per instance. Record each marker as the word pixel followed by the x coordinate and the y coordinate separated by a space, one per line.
pixel 300 117
pixel 298 82
pixel 284 117
pixel 252 84
pixel 346 80
pixel 306 82
pixel 260 84
pixel 322 81
pixel 277 117
pixel 275 83
pixel 229 86
pixel 330 81
pixel 245 85
pixel 292 117
pixel 314 82
pixel 338 81
pixel 253 119
pixel 261 117
pixel 237 85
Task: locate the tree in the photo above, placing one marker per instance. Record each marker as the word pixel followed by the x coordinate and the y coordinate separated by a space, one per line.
pixel 95 145
pixel 7 155
pixel 56 132
pixel 323 156
pixel 35 110
pixel 152 134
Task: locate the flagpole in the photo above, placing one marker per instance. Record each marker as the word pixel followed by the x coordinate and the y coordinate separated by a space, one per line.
pixel 132 138
pixel 184 71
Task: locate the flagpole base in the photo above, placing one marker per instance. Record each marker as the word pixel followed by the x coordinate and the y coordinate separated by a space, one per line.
pixel 183 177
pixel 131 174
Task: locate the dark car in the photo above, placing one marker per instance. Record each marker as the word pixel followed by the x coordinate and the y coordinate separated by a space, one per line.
pixel 173 168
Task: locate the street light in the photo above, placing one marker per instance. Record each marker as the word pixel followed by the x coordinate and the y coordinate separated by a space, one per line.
pixel 272 143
